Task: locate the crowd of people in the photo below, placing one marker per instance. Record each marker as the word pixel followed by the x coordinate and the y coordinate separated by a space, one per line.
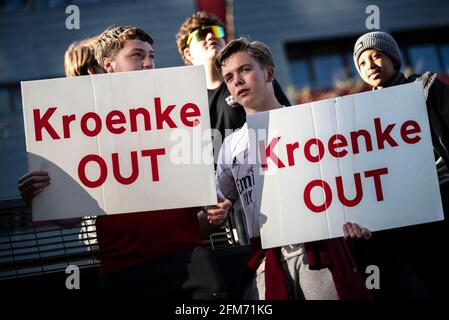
pixel 161 255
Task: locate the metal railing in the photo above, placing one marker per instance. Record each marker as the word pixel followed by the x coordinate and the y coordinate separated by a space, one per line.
pixel 31 249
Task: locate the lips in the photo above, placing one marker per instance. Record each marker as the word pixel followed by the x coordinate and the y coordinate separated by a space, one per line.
pixel 242 91
pixel 374 74
pixel 212 44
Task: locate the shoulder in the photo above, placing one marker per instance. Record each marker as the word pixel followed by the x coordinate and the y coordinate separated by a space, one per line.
pixel 234 143
pixel 237 136
pixel 428 78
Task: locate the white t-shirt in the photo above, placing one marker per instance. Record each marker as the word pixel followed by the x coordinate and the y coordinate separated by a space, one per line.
pixel 235 176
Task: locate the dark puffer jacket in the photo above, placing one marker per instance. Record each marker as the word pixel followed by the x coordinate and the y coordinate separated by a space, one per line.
pixel 437 101
pixel 407 261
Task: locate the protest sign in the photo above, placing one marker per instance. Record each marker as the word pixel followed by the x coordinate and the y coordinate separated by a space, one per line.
pixel 112 143
pixel 365 158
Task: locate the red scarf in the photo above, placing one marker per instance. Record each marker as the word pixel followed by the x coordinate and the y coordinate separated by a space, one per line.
pixel 333 254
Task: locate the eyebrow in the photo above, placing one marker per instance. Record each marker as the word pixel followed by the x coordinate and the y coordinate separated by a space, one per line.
pixel 141 50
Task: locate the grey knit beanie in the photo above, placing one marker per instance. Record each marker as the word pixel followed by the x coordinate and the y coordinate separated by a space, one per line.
pixel 381 41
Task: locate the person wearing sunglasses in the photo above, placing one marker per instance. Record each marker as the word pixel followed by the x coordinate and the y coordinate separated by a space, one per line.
pixel 200 38
pixel 202 32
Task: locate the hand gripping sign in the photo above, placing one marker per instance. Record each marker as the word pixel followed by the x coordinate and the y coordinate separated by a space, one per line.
pixel 365 158
pixel 107 142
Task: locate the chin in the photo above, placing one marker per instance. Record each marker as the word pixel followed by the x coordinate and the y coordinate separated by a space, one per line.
pixel 374 83
pixel 213 53
pixel 243 101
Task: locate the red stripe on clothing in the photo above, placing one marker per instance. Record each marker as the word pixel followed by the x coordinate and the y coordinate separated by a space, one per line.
pixel 128 239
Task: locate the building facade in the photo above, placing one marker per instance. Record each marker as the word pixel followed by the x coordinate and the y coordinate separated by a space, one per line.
pixel 311 42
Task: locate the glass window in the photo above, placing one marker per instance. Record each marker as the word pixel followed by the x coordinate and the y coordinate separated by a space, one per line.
pixel 63 3
pixel 78 2
pixel 57 3
pixel 300 73
pixel 12 5
pixel 353 73
pixel 445 57
pixel 13 163
pixel 424 58
pixel 4 103
pixel 328 70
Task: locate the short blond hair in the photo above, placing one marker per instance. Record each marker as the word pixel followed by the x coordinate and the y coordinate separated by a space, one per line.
pixel 112 40
pixel 79 58
pixel 256 49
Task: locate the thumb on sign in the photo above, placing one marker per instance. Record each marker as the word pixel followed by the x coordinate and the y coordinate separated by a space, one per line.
pixel 217 214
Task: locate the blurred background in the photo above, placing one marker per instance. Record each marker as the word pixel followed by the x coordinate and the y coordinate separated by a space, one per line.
pixel 312 42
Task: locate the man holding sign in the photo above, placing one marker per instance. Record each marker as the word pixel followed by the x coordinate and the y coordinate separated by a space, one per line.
pixel 378 60
pixel 316 270
pixel 158 254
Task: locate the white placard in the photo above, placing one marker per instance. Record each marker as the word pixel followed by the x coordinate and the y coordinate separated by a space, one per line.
pixel 122 142
pixel 365 158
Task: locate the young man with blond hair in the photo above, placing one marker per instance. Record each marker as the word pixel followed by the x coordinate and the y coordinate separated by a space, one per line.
pixel 317 270
pixel 156 255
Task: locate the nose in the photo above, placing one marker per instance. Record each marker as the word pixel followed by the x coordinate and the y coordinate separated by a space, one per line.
pixel 369 63
pixel 210 36
pixel 148 63
pixel 238 80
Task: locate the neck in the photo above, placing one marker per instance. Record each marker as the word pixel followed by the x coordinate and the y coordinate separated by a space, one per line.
pixel 270 103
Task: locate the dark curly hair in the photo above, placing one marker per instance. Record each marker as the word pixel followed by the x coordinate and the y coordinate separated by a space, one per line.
pixel 113 39
pixel 198 19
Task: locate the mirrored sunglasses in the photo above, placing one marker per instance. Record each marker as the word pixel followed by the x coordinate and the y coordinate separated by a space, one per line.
pixel 201 33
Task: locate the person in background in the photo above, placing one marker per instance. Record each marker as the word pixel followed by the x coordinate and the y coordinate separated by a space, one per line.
pixel 79 59
pixel 321 270
pixel 200 38
pixel 157 255
pixel 405 259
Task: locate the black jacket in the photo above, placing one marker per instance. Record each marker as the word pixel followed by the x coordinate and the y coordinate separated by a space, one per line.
pixel 407 256
pixel 437 101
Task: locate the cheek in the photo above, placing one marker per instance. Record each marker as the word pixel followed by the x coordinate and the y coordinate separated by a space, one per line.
pixel 364 76
pixel 380 64
pixel 196 49
pixel 392 69
pixel 131 61
pixel 135 64
pixel 121 64
pixel 221 43
pixel 363 71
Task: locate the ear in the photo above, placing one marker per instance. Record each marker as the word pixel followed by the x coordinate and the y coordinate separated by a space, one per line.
pixel 187 55
pixel 270 74
pixel 107 65
pixel 95 69
pixel 91 71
